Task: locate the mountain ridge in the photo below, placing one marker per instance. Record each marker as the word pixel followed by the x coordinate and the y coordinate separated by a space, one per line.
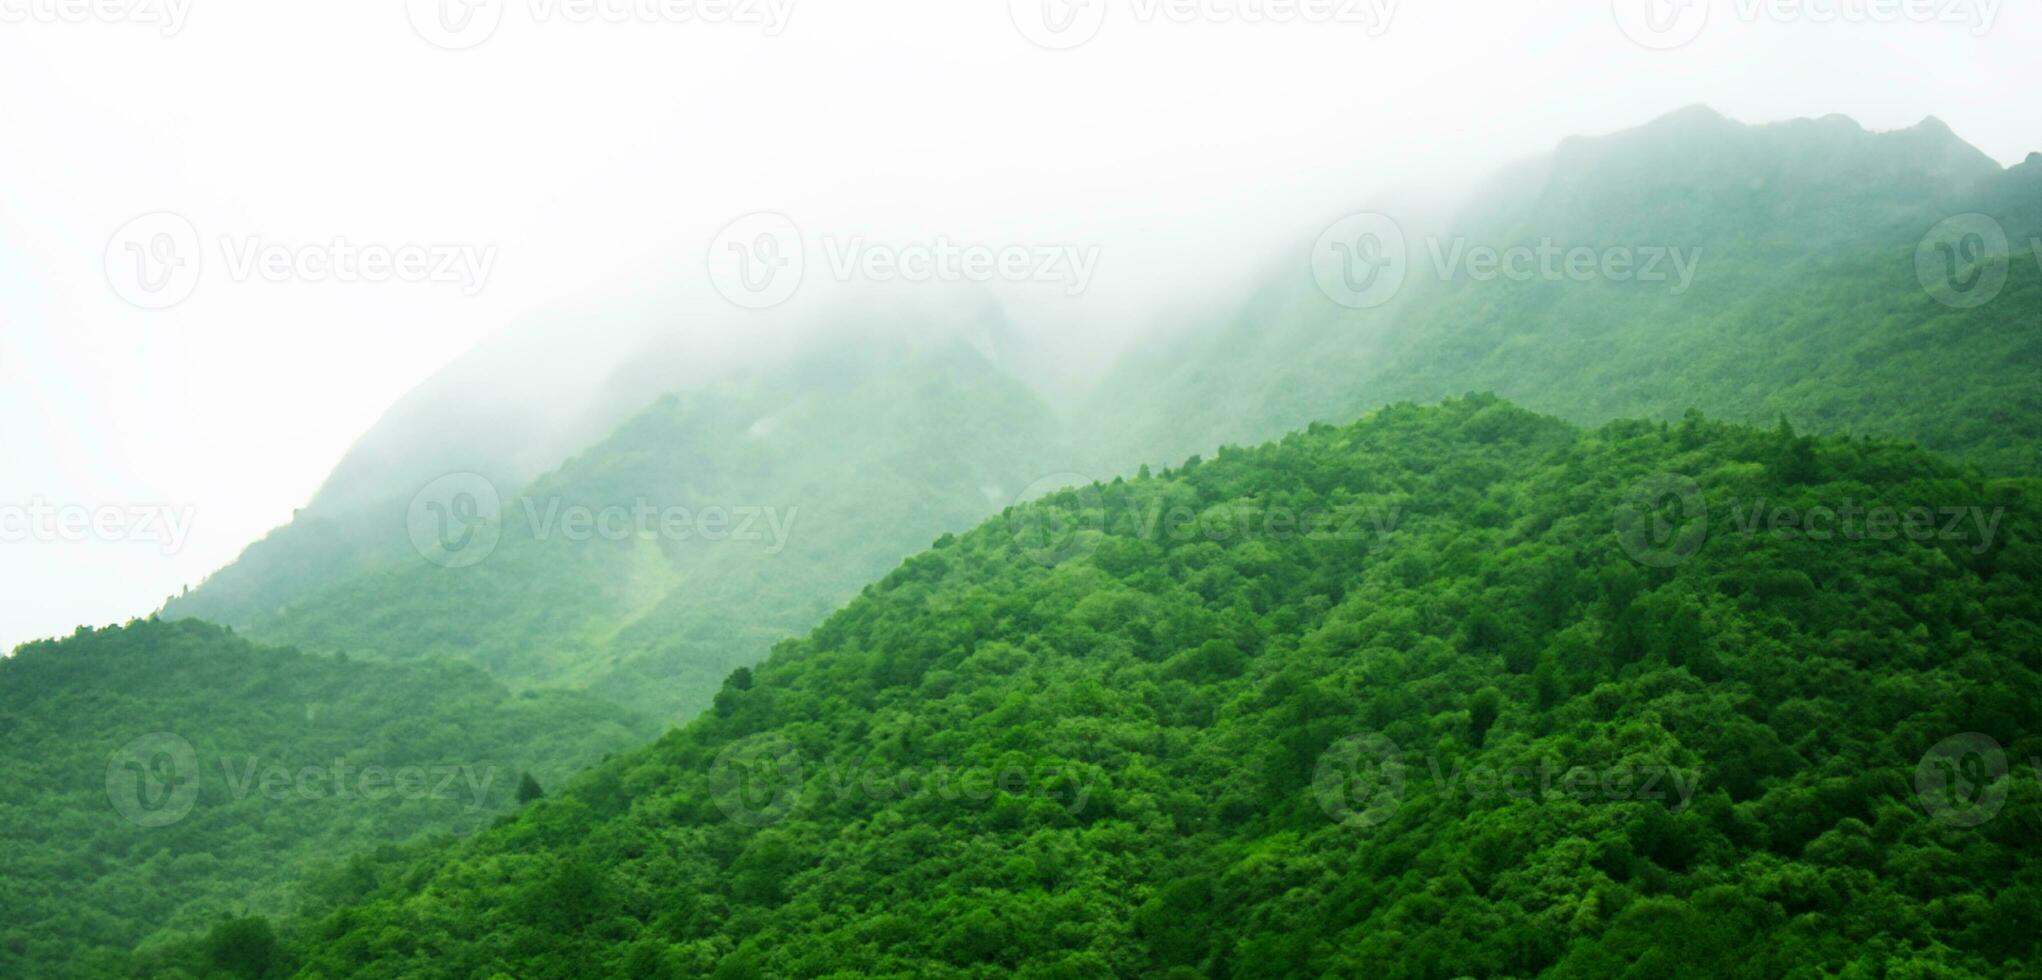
pixel 1169 702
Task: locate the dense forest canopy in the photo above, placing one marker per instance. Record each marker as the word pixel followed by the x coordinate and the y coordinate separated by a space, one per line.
pixel 161 775
pixel 1565 713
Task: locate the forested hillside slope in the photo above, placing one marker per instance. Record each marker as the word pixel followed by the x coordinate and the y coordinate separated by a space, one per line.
pixel 160 776
pixel 607 574
pixel 1449 691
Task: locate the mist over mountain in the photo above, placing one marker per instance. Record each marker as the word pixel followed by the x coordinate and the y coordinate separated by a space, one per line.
pixel 1798 297
pixel 1473 482
pixel 1766 211
pixel 828 470
pixel 515 407
pixel 1758 271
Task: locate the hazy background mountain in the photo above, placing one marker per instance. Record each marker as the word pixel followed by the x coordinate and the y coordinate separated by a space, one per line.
pixel 1804 301
pixel 884 432
pixel 511 409
pixel 839 462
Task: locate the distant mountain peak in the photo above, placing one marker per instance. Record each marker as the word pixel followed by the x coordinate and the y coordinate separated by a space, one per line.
pixel 1694 115
pixel 1933 124
pixel 1841 123
pixel 1696 146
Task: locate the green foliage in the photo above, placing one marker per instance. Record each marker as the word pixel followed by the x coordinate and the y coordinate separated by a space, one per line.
pixel 244 947
pixel 861 462
pixel 295 764
pixel 1168 693
pixel 528 788
pixel 1149 754
pixel 1805 301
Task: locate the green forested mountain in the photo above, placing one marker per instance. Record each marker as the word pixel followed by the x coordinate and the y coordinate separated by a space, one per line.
pixel 1804 300
pixel 161 776
pixel 1313 708
pixel 1449 691
pixel 831 470
pixel 1802 296
pixel 511 409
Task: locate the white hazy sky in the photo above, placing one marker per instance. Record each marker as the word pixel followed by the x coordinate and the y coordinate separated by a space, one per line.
pixel 598 160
